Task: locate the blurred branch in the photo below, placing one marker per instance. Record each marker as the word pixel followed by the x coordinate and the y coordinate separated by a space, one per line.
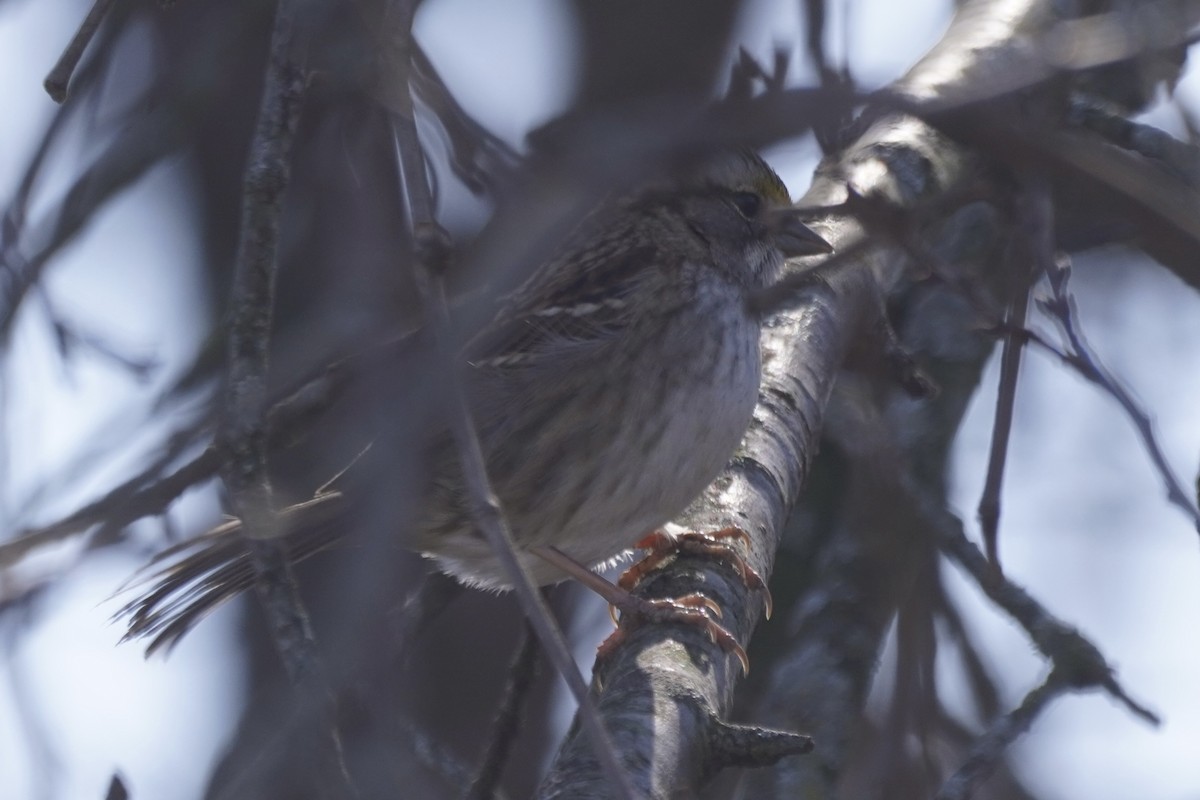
pixel 508 717
pixel 440 759
pixel 479 158
pixel 1181 159
pixel 42 761
pixel 70 338
pixel 1076 660
pixel 1028 254
pixel 244 430
pixel 117 790
pixel 1010 363
pixel 432 254
pixel 983 688
pixel 150 492
pixel 18 208
pixel 146 141
pixel 60 75
pixel 1060 307
pixel 146 494
pixel 987 750
pixel 814 37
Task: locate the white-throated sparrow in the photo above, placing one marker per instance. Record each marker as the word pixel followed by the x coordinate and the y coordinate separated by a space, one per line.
pixel 608 391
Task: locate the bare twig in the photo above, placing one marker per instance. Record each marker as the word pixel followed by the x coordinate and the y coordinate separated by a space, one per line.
pixel 478 157
pixel 244 433
pixel 987 750
pixel 116 788
pixel 1060 307
pixel 983 688
pixel 432 248
pixel 435 756
pixel 150 492
pixel 1074 657
pixel 60 74
pixel 1181 158
pixel 1028 257
pixel 70 338
pixel 1010 363
pixel 143 144
pixel 749 746
pixel 507 722
pixel 132 500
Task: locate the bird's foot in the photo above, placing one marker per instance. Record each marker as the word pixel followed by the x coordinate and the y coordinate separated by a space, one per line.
pixel 689 610
pixel 664 546
pixel 692 609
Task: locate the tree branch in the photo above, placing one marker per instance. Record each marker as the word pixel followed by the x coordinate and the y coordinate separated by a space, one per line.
pixel 60 75
pixel 663 686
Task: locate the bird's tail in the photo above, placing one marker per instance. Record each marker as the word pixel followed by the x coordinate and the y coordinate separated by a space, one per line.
pixel 193 578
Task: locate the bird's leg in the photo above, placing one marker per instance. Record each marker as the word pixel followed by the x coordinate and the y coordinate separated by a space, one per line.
pixel 689 610
pixel 664 546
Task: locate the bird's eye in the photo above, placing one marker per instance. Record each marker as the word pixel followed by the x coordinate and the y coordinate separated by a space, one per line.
pixel 747 203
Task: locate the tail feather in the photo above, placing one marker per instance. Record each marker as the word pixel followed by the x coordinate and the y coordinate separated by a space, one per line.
pixel 195 577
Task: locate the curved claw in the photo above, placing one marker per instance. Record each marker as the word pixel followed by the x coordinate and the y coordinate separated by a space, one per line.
pixel 664 547
pixel 688 610
pixel 699 601
pixel 691 601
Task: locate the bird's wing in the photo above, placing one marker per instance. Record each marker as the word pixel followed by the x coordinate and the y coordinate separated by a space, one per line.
pixel 581 296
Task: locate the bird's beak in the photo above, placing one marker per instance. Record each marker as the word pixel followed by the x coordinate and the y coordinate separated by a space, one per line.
pixel 793 237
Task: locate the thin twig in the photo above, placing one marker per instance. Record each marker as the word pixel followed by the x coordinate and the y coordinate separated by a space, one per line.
pixel 432 248
pixel 478 157
pixel 508 717
pixel 143 144
pixel 987 750
pixel 1028 258
pixel 70 338
pixel 1061 308
pixel 1076 659
pixel 1079 357
pixel 1006 397
pixel 60 74
pixel 124 504
pixel 150 492
pixel 1181 158
pixel 244 434
pixel 982 687
pixel 435 756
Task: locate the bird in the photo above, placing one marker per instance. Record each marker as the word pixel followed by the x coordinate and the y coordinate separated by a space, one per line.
pixel 607 392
